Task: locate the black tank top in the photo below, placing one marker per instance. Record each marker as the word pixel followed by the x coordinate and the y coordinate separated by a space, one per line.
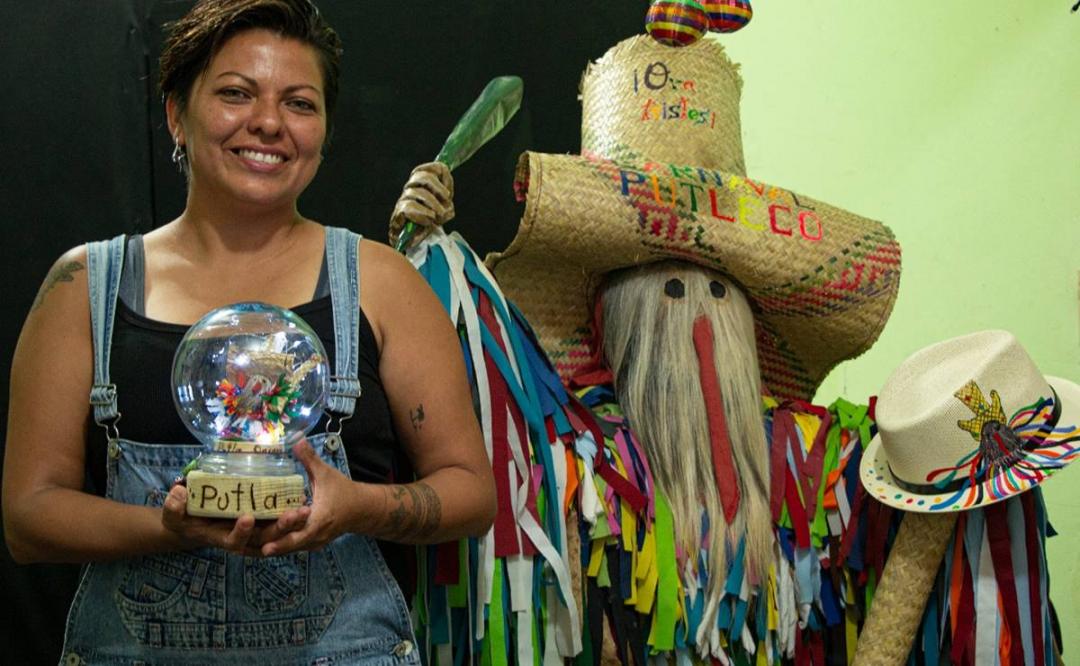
pixel 141 365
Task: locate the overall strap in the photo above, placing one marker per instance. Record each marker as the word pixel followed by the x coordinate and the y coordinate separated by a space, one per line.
pixel 343 268
pixel 105 263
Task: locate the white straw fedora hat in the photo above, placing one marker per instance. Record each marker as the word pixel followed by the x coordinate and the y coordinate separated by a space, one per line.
pixel 969 422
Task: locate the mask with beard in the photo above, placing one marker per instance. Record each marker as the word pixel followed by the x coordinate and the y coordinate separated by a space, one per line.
pixel 679 340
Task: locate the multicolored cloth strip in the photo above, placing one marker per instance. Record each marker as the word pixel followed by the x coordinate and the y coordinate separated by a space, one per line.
pixel 676 22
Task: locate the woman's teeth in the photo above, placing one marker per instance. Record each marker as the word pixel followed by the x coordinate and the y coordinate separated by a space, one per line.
pixel 260 157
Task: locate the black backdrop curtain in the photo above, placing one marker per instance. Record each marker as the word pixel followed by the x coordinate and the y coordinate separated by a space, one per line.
pixel 85 153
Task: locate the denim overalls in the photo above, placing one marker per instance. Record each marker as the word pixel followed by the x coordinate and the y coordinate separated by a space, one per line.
pixel 339 605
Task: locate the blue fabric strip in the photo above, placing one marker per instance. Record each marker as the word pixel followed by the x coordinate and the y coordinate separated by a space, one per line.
pixel 437 273
pixel 737 621
pixel 695 610
pixel 931 643
pixel 830 606
pixel 439 623
pixel 804 564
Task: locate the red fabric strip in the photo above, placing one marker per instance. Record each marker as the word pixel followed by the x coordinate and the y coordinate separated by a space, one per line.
pixel 523 544
pixel 810 408
pixel 997 525
pixel 506 536
pixel 878 521
pixel 1033 541
pixel 802 650
pixel 810 463
pixel 797 512
pixel 622 487
pixel 727 483
pixel 817 647
pixel 778 461
pixel 448 566
pixel 963 649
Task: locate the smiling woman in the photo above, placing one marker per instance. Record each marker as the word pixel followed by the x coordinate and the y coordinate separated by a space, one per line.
pixel 249 88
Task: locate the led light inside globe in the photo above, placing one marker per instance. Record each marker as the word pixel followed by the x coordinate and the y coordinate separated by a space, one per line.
pixel 249 381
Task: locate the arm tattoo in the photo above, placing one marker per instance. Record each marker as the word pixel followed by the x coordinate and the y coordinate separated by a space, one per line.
pixel 417 518
pixel 58 274
pixel 417 417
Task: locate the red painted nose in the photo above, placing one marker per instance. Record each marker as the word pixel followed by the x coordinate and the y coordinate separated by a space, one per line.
pixel 727 483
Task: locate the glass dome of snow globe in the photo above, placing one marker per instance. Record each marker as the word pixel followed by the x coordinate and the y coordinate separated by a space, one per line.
pixel 249 381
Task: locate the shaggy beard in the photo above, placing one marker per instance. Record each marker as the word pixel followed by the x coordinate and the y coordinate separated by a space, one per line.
pixel 648 344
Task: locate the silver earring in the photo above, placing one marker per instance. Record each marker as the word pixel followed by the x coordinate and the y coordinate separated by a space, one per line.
pixel 178 153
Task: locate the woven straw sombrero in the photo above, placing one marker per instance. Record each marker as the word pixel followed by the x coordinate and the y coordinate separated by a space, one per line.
pixel 661 176
pixel 969 422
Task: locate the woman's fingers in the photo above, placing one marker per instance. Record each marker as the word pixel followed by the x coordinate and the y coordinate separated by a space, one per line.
pixel 239 538
pixel 291 542
pixel 175 509
pixel 290 521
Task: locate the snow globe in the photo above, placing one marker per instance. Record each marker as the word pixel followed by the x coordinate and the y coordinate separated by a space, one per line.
pixel 249 380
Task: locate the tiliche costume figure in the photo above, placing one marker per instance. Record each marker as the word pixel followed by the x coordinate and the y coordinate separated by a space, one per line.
pixel 671 292
pixel 691 311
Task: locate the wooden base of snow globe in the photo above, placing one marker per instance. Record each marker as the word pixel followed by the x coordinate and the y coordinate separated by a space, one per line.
pixel 233 495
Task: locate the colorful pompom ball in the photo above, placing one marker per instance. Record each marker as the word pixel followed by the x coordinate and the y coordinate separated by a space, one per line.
pixel 676 22
pixel 728 15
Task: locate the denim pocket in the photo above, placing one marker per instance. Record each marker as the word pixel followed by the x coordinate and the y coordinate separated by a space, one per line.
pixel 161 598
pixel 276 584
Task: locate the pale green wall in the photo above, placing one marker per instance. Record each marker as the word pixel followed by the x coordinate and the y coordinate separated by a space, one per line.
pixel 958 124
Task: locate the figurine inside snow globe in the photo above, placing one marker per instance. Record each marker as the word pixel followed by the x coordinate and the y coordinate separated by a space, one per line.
pixel 249 381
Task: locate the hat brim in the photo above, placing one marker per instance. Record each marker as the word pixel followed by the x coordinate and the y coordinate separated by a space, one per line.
pixel 878 479
pixel 820 295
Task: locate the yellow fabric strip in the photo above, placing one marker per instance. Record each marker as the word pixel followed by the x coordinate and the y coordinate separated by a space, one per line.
pixel 772 608
pixel 647 573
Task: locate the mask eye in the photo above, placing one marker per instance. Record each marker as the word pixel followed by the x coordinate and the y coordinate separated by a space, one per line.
pixel 718 289
pixel 675 288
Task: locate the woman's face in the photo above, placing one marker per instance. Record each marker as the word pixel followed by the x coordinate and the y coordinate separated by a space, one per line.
pixel 255 121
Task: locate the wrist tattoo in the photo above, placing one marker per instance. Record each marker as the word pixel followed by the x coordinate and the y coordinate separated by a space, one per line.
pixel 417 417
pixel 61 273
pixel 416 517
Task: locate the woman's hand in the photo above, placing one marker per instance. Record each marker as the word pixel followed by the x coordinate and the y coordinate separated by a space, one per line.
pixel 243 537
pixel 333 496
pixel 427 200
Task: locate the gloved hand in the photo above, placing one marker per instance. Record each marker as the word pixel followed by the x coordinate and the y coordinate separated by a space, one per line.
pixel 427 200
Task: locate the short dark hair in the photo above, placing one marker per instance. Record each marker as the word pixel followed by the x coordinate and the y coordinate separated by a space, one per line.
pixel 196 38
